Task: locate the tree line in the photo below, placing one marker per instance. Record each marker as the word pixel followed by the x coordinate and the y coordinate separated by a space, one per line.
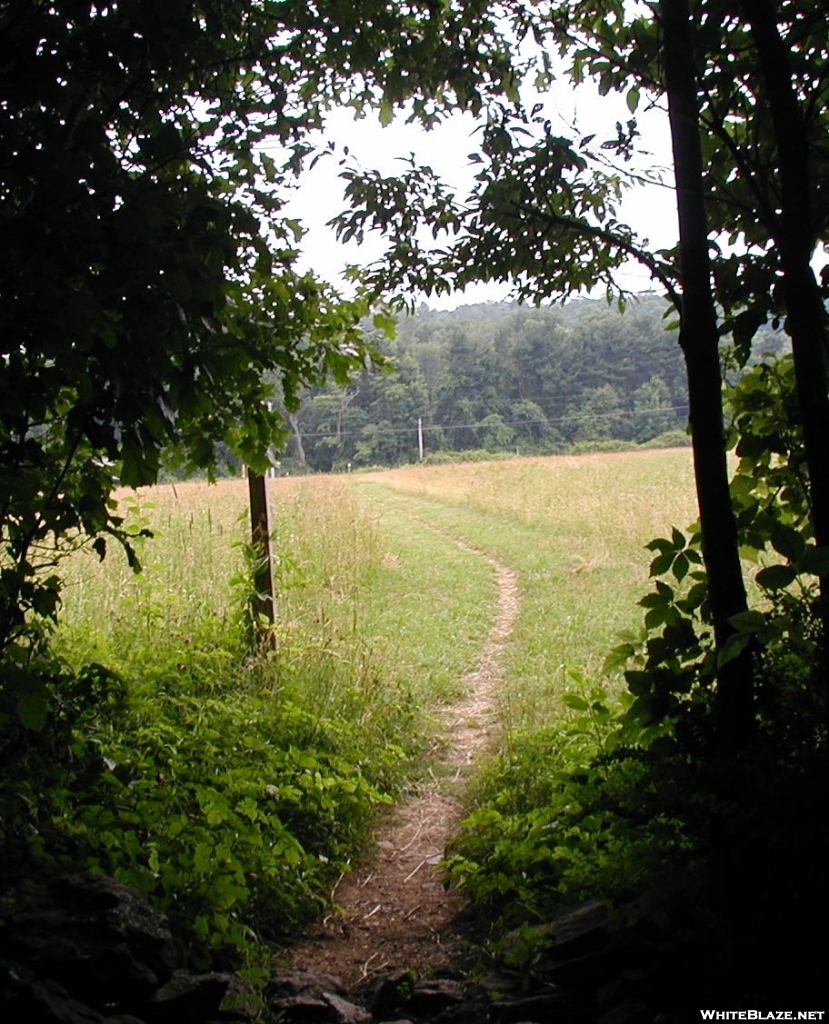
pixel 499 377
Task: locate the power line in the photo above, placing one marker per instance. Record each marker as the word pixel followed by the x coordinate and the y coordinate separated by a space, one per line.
pixel 622 414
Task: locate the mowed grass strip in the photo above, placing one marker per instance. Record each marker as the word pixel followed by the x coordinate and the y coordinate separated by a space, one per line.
pixel 574 529
pixel 423 605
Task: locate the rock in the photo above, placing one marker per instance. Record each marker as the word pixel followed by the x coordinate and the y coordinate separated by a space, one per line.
pixel 547 1006
pixel 99 939
pixel 583 930
pixel 429 998
pixel 292 983
pixel 306 998
pixel 89 950
pixel 188 997
pixel 589 971
pixel 44 1002
pixel 628 1013
pixel 390 992
pixel 474 1009
pixel 325 1008
pixel 347 1012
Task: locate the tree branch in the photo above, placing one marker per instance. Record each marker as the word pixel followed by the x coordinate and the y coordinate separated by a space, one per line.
pixel 662 272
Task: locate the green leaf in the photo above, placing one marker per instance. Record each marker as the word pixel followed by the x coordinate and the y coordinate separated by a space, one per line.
pixel 776 577
pixel 815 560
pixel 33 710
pixel 748 622
pixel 732 648
pixel 662 564
pixel 618 657
pixel 203 858
pixel 574 701
pixel 638 682
pixel 657 616
pixel 680 566
pixel 787 541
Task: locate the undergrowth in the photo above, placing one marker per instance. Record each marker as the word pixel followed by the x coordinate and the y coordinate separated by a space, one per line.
pixel 231 784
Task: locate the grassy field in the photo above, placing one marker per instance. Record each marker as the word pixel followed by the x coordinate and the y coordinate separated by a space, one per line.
pixel 573 528
pixel 191 566
pixel 366 569
pixel 370 613
pixel 381 613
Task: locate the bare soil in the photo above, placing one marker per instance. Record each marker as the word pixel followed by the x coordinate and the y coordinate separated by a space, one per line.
pixel 394 912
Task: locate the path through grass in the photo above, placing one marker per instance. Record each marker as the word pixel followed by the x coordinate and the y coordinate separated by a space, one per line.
pixel 573 528
pixel 381 615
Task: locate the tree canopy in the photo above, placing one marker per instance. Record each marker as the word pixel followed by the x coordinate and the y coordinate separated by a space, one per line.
pixel 542 373
pixel 746 94
pixel 148 278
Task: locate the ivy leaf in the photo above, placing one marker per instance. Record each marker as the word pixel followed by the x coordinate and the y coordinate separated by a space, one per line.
pixel 680 566
pixel 662 564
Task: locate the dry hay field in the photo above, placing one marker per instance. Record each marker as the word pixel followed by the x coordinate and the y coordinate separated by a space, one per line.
pixel 606 499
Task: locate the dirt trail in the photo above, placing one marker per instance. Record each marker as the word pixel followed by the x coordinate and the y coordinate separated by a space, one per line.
pixel 394 912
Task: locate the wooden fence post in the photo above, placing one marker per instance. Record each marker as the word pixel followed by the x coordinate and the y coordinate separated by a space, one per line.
pixel 264 604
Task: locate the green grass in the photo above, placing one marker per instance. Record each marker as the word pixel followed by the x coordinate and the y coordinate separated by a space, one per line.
pixel 271 762
pixel 188 588
pixel 233 785
pixel 423 606
pixel 574 529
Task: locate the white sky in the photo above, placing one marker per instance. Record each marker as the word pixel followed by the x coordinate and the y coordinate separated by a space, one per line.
pixel 649 209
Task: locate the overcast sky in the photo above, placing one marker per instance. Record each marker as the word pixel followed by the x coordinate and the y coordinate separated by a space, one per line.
pixel 650 209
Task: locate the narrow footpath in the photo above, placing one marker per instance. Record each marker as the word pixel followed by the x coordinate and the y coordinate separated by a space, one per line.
pixel 394 913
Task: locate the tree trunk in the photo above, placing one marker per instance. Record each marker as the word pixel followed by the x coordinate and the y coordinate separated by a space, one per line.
pixel 699 338
pixel 293 423
pixel 795 239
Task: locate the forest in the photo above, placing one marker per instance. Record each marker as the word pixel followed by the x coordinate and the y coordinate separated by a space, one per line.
pixel 500 377
pixel 174 750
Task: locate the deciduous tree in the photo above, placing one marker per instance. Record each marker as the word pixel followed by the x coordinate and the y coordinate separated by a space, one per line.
pixel 746 88
pixel 148 273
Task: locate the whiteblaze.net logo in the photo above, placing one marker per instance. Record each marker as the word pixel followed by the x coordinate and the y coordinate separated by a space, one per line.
pixel 762 1014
